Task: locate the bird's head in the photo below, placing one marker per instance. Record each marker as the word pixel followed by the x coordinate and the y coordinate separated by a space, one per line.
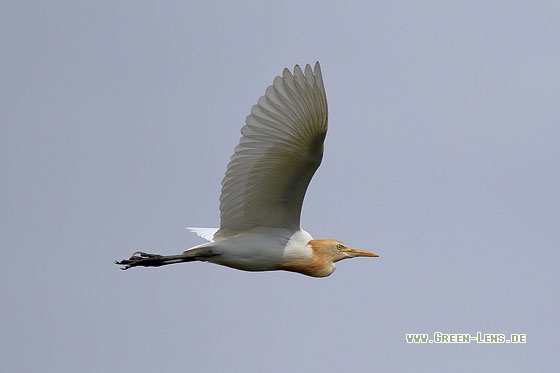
pixel 325 252
pixel 334 250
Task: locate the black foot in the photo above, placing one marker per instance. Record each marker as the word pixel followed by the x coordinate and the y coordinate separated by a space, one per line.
pixel 141 259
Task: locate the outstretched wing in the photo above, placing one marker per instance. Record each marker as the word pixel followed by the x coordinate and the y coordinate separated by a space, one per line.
pixel 280 149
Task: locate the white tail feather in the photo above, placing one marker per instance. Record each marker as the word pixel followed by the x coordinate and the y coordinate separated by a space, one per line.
pixel 206 233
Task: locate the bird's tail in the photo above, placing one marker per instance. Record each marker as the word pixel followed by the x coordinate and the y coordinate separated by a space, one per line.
pixel 206 233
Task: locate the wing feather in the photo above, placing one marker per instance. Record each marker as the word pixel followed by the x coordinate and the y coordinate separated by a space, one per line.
pixel 280 149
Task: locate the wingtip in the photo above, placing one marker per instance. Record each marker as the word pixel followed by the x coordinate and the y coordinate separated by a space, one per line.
pixel 309 70
pixel 317 68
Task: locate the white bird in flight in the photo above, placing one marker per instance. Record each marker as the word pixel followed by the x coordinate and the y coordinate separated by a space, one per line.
pixel 280 149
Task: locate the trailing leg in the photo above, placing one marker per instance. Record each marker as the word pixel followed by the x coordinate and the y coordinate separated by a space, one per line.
pixel 155 260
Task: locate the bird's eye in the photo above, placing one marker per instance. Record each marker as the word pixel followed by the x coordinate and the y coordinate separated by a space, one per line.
pixel 339 246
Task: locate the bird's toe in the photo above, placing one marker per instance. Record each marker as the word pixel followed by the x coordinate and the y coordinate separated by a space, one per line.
pixel 142 255
pixel 138 258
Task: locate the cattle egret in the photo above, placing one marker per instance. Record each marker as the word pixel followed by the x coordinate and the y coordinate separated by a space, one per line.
pixel 280 149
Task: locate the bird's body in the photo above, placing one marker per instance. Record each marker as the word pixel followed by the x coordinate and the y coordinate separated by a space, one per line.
pixel 260 249
pixel 280 149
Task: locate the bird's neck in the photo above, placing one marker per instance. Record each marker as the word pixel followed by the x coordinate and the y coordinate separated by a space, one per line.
pixel 310 262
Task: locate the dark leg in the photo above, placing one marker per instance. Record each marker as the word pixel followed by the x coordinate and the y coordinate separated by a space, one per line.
pixel 155 260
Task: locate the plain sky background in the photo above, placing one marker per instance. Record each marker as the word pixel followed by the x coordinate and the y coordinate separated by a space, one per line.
pixel 118 119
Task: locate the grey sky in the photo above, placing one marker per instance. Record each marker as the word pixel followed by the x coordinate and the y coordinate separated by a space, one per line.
pixel 118 119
